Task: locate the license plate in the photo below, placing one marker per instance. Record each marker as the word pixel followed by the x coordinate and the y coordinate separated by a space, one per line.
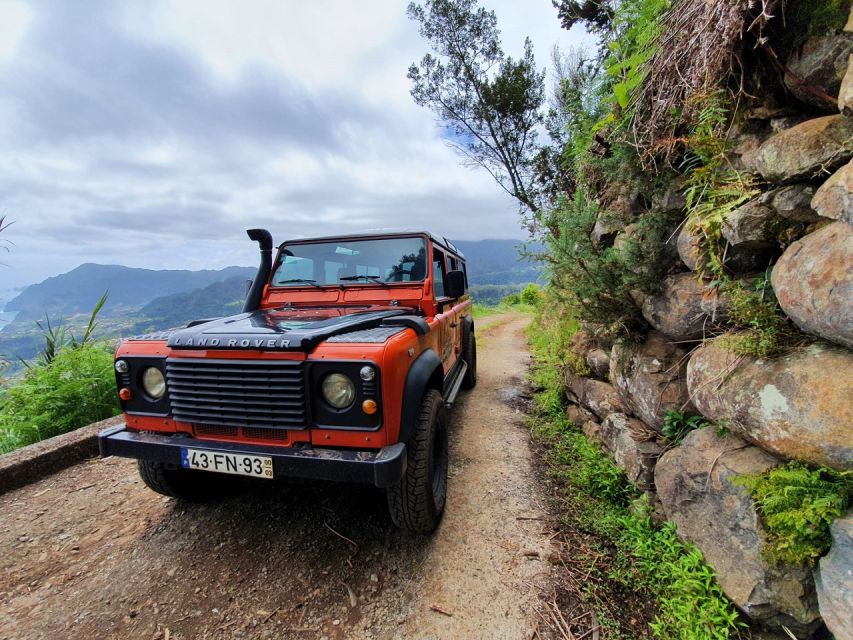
pixel 238 464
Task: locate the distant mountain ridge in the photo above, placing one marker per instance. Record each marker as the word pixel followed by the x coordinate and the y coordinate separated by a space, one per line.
pixel 129 288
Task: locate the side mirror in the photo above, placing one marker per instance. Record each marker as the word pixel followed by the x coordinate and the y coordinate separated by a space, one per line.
pixel 454 284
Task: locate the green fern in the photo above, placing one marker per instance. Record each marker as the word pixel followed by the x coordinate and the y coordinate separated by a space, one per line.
pixel 798 504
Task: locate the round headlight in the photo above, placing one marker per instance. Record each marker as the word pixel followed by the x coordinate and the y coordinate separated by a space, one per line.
pixel 338 390
pixel 121 366
pixel 153 382
pixel 367 373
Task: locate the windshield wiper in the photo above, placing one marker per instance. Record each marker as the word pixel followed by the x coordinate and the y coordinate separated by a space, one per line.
pixel 313 283
pixel 375 279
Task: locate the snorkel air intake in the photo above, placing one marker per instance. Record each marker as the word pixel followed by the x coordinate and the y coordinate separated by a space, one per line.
pixel 264 240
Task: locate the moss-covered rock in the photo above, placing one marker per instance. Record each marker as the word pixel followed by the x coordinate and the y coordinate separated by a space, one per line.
pixel 694 484
pixel 813 281
pixel 797 406
pixel 834 199
pixel 804 151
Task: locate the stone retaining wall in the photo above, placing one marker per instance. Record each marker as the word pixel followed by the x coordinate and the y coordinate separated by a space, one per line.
pixel 797 406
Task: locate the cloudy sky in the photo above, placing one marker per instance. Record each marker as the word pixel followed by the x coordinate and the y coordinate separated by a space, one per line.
pixel 153 133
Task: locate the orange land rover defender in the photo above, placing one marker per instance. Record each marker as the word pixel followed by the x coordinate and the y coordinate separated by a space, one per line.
pixel 340 367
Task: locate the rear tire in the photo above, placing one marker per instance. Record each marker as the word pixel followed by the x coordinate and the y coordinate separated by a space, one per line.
pixel 417 502
pixel 184 484
pixel 470 358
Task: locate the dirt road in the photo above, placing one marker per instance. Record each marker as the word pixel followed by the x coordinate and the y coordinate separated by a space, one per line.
pixel 92 553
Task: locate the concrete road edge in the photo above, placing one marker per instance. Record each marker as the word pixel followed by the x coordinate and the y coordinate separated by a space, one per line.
pixel 33 462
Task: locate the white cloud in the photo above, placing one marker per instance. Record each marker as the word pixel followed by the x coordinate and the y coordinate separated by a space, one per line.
pixel 153 135
pixel 15 19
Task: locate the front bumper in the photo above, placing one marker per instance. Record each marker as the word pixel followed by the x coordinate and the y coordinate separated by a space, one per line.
pixel 382 468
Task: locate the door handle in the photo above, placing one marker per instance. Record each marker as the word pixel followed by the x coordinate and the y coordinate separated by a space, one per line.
pixel 454 324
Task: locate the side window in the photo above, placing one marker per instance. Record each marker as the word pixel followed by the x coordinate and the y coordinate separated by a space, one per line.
pixel 465 273
pixel 438 270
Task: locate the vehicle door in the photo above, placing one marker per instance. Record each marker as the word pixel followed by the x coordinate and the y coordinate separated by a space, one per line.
pixel 444 310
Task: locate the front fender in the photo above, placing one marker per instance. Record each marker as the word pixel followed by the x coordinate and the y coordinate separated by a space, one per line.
pixel 425 373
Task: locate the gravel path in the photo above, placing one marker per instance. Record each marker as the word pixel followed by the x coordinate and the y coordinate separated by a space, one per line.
pixel 91 553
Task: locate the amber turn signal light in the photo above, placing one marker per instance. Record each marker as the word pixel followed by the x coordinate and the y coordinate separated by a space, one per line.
pixel 125 394
pixel 369 406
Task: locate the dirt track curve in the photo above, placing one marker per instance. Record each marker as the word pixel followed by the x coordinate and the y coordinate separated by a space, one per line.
pixel 91 553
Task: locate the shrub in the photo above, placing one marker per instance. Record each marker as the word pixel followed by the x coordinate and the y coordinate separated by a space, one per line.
pixel 798 504
pixel 531 295
pixel 765 330
pixel 676 425
pixel 75 389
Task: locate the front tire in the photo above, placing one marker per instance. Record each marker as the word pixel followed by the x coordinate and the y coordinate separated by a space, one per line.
pixel 184 484
pixel 470 358
pixel 417 502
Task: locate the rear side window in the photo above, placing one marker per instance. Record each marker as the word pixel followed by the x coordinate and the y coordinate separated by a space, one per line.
pixel 438 269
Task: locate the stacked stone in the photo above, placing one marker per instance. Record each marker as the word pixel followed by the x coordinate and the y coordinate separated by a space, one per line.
pixel 798 406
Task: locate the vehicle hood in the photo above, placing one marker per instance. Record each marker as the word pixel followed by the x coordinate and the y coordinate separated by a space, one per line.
pixel 283 329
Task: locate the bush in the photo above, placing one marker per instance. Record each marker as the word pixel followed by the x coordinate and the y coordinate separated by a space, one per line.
pixel 798 504
pixel 530 295
pixel 765 330
pixel 75 389
pixel 676 425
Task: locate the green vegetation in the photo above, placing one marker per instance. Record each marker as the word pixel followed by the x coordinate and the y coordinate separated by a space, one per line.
pixel 798 504
pixel 597 498
pixel 676 425
pixel 765 330
pixel 524 301
pixel 69 385
pixel 75 389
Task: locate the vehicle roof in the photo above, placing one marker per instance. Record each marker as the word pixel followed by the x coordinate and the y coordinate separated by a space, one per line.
pixel 444 243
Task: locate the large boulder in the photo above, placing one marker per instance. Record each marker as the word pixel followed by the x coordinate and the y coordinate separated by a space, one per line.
pixel 679 310
pixel 694 484
pixel 577 415
pixel 753 225
pixel 739 259
pixel 819 64
pixel 834 199
pixel 632 445
pixel 813 281
pixel 651 378
pixel 598 362
pixel 803 151
pixel 797 406
pixel 845 93
pixel 792 202
pixel 834 580
pixel 599 397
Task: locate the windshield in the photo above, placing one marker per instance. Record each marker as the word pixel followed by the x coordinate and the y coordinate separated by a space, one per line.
pixel 351 262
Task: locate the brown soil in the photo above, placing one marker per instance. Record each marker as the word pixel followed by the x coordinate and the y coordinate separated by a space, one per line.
pixel 92 553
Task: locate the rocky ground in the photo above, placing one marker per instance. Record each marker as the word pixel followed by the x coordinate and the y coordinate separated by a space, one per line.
pixel 91 553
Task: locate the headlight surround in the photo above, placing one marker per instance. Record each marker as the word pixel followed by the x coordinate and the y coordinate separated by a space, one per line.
pixel 153 382
pixel 338 390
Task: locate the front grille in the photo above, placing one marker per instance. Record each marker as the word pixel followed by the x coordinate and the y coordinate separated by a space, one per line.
pixel 215 430
pixel 238 393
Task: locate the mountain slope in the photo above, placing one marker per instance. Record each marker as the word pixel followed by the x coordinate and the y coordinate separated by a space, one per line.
pixel 498 262
pixel 129 289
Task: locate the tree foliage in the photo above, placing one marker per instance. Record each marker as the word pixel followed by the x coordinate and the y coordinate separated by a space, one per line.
pixel 597 15
pixel 488 102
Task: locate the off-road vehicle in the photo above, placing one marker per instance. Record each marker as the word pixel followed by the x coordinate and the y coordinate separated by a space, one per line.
pixel 340 367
